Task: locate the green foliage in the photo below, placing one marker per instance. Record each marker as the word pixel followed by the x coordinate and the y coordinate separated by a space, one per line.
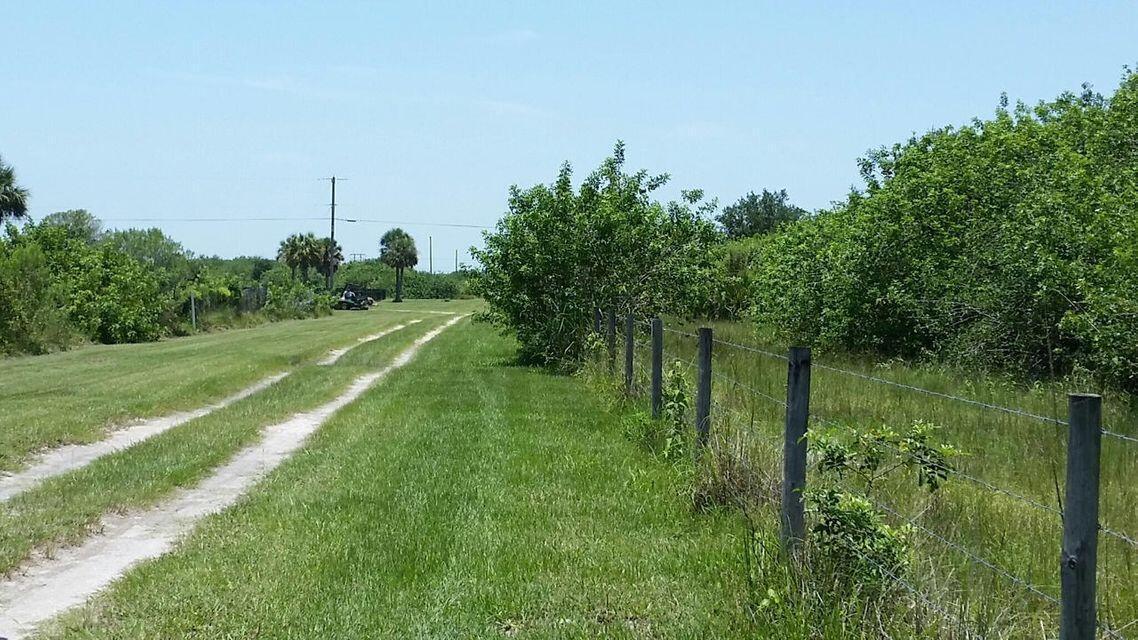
pixel 676 400
pixel 107 295
pixel 558 253
pixel 848 532
pixel 13 197
pixel 300 251
pixel 31 318
pixel 731 280
pixel 856 545
pixel 329 257
pixel 756 214
pixel 293 299
pixel 873 454
pixel 397 250
pixel 373 274
pixel 113 298
pixel 1007 243
pixel 162 255
pixel 78 222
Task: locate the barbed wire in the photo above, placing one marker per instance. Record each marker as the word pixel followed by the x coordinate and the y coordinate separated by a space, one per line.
pixel 680 333
pixel 1120 436
pixel 1005 491
pixel 918 593
pixel 939 394
pixel 744 347
pixel 748 388
pixel 975 558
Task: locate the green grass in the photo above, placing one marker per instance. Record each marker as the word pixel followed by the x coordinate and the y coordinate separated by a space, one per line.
pixel 64 509
pixel 73 397
pixel 464 497
pixel 1020 454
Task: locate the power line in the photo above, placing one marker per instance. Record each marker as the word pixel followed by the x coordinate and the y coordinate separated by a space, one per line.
pixel 303 219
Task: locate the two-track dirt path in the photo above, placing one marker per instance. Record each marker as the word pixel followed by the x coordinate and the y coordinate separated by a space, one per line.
pixel 48 586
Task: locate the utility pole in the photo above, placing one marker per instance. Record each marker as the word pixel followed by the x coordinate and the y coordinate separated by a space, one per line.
pixel 456 260
pixel 431 253
pixel 332 231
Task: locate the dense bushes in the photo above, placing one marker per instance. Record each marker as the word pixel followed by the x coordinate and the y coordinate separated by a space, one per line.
pixel 1009 243
pixel 106 295
pixel 558 253
pixel 63 280
pixel 31 318
pixel 373 274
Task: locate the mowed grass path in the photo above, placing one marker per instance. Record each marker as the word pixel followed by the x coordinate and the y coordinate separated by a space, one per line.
pixel 65 509
pixel 74 396
pixel 464 497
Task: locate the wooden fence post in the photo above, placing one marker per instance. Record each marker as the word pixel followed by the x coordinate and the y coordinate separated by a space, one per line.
pixel 193 312
pixel 657 367
pixel 629 350
pixel 794 447
pixel 610 340
pixel 1079 559
pixel 703 388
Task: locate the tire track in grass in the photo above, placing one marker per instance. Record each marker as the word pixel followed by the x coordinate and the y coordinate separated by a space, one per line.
pixel 46 588
pixel 335 354
pixel 66 458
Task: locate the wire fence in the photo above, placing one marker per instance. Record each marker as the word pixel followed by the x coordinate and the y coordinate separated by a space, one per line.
pixel 733 385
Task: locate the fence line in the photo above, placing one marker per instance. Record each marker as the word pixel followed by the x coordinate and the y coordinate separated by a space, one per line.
pixel 975 558
pixel 749 389
pixel 757 350
pixel 1080 523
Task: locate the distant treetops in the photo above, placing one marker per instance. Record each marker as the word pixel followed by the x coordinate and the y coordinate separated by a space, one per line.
pixel 305 251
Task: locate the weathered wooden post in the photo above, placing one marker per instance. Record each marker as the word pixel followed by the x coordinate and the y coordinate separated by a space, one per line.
pixel 1079 558
pixel 610 340
pixel 657 367
pixel 193 312
pixel 794 447
pixel 703 388
pixel 629 350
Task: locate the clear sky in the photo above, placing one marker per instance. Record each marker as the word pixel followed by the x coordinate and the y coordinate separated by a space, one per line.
pixel 179 109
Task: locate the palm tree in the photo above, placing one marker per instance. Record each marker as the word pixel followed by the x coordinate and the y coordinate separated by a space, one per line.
pixel 397 250
pixel 331 255
pixel 310 253
pixel 291 252
pixel 13 198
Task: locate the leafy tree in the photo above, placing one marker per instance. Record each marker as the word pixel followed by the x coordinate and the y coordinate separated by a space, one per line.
pixel 397 250
pixel 560 252
pixel 161 254
pixel 108 296
pixel 1006 243
pixel 13 198
pixel 756 214
pixel 32 319
pixel 78 223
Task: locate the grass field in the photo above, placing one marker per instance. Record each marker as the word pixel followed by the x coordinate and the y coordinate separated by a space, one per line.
pixel 1024 456
pixel 465 497
pixel 64 509
pixel 76 396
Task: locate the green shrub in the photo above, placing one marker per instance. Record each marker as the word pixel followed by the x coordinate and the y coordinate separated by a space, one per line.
pixel 1007 243
pixel 558 253
pixel 31 317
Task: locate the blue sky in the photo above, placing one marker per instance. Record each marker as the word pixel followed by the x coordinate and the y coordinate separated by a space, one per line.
pixel 173 110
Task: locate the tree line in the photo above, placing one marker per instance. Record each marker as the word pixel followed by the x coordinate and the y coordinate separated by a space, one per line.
pixel 1007 244
pixel 64 279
